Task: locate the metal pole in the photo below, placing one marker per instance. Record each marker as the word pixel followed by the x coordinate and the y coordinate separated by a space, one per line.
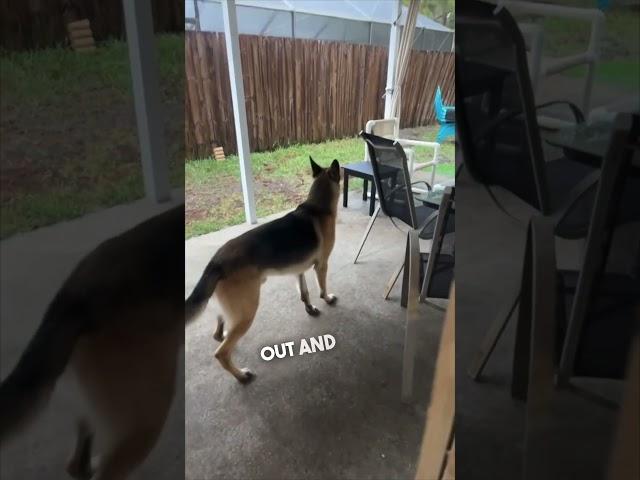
pixel 394 40
pixel 197 14
pixel 144 76
pixel 239 112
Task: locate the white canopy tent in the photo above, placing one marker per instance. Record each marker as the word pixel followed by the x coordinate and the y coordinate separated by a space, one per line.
pixel 354 21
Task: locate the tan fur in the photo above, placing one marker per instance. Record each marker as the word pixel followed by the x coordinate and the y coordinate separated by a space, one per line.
pixel 328 235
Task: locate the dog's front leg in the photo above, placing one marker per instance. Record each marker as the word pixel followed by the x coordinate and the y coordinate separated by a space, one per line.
pixel 321 275
pixel 304 296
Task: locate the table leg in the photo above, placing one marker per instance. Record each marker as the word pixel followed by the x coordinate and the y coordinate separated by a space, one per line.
pixel 345 189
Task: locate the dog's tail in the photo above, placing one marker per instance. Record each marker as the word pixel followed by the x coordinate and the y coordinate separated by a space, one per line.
pixel 198 299
pixel 28 387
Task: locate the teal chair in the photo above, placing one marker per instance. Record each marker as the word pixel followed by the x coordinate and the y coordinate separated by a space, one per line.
pixel 445 115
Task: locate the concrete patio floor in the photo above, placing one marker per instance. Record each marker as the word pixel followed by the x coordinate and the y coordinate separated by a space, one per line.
pixel 333 414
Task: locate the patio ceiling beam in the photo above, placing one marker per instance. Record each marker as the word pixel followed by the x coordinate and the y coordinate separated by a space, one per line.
pixel 144 77
pixel 394 44
pixel 239 110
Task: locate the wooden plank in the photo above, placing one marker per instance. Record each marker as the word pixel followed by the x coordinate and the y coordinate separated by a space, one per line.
pixel 79 25
pixel 624 463
pixel 78 34
pixel 440 413
pixel 82 43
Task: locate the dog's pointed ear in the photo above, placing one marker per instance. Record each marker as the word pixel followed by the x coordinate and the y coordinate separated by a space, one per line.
pixel 315 168
pixel 334 171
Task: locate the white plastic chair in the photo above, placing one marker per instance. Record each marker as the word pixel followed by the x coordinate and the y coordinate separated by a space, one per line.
pixel 541 67
pixel 390 128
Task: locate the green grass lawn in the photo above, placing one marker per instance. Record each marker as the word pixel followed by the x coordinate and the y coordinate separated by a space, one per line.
pixel 618 64
pixel 282 179
pixel 69 139
pixel 622 73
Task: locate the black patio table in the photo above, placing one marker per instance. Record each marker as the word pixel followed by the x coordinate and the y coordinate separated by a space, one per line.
pixel 585 143
pixel 582 142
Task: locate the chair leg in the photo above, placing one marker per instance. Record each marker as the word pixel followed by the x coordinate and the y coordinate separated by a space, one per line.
pixel 392 281
pixel 522 348
pixel 366 232
pixel 490 340
pixel 365 189
pixel 427 278
pixel 406 281
pixel 372 201
pixel 436 244
pixel 345 189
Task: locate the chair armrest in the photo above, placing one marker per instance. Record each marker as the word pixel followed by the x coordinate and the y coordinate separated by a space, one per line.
pixel 423 182
pixel 508 115
pixel 577 113
pixel 417 143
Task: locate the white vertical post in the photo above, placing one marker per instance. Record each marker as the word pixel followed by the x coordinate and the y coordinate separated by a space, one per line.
pixel 394 40
pixel 144 76
pixel 239 112
pixel 196 11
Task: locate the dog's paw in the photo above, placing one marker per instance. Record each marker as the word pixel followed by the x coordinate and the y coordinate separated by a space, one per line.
pixel 312 310
pixel 218 335
pixel 247 376
pixel 330 298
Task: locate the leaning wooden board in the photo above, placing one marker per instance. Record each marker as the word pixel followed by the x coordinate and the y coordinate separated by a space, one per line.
pixel 624 463
pixel 437 461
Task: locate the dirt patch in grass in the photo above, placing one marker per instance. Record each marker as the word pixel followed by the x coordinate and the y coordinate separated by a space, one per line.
pixel 218 202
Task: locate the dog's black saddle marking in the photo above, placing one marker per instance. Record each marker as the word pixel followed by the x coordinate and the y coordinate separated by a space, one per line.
pixel 278 244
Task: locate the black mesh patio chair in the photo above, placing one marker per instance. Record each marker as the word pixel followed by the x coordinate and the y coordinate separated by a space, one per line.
pixel 395 190
pixel 578 323
pixel 397 198
pixel 500 138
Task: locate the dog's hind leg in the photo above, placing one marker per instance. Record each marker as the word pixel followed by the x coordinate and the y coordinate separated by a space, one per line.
pixel 79 465
pixel 304 296
pixel 128 452
pixel 219 333
pixel 128 371
pixel 239 298
pixel 321 276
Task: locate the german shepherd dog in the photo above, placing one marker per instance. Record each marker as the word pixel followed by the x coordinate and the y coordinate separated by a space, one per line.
pixel 118 320
pixel 292 244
